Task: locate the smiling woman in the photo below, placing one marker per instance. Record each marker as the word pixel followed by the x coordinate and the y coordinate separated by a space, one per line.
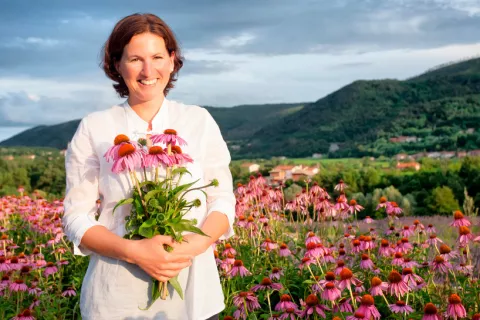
pixel 143 58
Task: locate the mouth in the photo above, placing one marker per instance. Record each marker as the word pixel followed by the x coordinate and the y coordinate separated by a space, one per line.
pixel 149 83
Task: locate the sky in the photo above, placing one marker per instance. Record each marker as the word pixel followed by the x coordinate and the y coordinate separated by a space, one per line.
pixel 236 52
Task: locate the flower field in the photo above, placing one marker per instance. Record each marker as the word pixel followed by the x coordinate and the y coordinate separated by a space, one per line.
pixel 305 259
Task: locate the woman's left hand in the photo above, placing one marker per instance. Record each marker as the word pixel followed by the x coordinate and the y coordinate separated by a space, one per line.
pixel 193 244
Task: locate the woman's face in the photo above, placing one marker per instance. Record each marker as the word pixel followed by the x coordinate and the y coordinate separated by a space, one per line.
pixel 145 67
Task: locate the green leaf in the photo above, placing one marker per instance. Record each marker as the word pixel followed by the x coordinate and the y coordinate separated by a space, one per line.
pixel 181 170
pixel 182 188
pixel 138 206
pixel 121 203
pixel 147 228
pixel 187 225
pixel 152 193
pixel 176 285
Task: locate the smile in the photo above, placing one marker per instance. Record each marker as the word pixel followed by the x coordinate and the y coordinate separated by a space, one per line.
pixel 148 82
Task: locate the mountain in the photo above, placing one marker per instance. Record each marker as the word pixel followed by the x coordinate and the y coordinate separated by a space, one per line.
pixel 437 110
pixel 236 123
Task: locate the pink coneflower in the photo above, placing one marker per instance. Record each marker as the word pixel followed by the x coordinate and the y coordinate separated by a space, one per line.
pixel 441 264
pixel 460 220
pixel 312 251
pixel 406 232
pixel 330 292
pixel 356 246
pixel 305 262
pixel 410 278
pixel 112 152
pixel 347 279
pixel 238 269
pixel 312 306
pixel 284 250
pixel 178 157
pixel 400 307
pixel 430 229
pixel 367 243
pixel 397 287
pixel 368 220
pixel 417 226
pixel 4 266
pixel 312 238
pixel 409 263
pixel 343 305
pixel 276 273
pixel 393 209
pixel 129 158
pixel 465 269
pixel 404 245
pixel 397 259
pixel 229 250
pixel 248 298
pixel 340 267
pixel 70 292
pixel 377 286
pixel 285 303
pixel 357 316
pixel 269 245
pixel 385 249
pixel 341 186
pixel 25 315
pixel 447 253
pixel 341 204
pixel 455 307
pixel 18 285
pixel 50 269
pixel 464 236
pixel 34 290
pixel 430 312
pixel 290 313
pixel 366 262
pixel 355 207
pixel 433 240
pixel 169 136
pixel 390 230
pixel 267 284
pixel 157 157
pixel 383 203
pixel 367 307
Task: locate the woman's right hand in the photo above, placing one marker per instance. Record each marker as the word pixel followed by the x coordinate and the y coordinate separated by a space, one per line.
pixel 150 255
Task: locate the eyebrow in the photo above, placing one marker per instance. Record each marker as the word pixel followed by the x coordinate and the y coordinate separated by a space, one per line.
pixel 137 56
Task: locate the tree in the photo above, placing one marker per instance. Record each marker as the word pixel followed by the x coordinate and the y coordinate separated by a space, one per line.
pixel 442 201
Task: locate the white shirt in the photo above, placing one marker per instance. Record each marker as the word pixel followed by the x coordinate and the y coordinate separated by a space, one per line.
pixel 114 289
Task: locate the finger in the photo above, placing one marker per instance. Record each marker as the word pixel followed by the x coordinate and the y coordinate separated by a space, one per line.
pixel 168 273
pixel 179 257
pixel 176 265
pixel 162 278
pixel 164 240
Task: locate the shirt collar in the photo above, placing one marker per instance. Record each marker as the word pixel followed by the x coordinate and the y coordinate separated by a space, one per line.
pixel 139 126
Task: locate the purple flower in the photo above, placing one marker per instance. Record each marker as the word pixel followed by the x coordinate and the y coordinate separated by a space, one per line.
pixel 267 284
pixel 312 306
pixel 455 307
pixel 331 292
pixel 130 157
pixel 156 157
pixel 285 303
pixel 400 307
pixel 169 136
pixel 238 269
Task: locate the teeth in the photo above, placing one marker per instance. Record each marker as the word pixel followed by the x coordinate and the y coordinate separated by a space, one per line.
pixel 149 82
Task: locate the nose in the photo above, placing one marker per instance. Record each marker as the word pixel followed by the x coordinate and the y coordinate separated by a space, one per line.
pixel 147 68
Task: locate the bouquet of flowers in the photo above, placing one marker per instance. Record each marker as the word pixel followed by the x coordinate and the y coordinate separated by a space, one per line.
pixel 158 204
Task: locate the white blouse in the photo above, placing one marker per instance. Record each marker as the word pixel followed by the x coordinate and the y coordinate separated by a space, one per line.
pixel 115 289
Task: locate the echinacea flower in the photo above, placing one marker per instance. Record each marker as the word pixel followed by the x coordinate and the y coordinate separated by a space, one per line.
pixel 441 264
pixel 400 307
pixel 229 250
pixel 312 306
pixel 284 250
pixel 18 285
pixel 331 292
pixel 430 312
pixel 285 303
pixel 347 279
pixel 367 307
pixel 455 307
pixel 112 152
pixel 50 268
pixel 464 236
pixel 24 315
pixel 178 157
pixel 430 229
pixel 341 186
pixel 459 220
pixel 357 316
pixel 276 273
pixel 248 298
pixel 130 157
pixel 397 287
pixel 366 262
pixel 267 284
pixel 377 286
pixel 156 157
pixel 70 292
pixel 169 136
pixel 238 269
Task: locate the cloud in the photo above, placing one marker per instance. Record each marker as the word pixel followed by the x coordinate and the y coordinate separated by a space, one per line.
pixel 236 41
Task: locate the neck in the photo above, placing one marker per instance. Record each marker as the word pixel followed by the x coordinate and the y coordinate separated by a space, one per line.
pixel 146 109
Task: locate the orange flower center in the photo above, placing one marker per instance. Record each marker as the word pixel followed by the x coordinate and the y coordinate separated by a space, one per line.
pixel 126 149
pixel 444 249
pixel 464 230
pixel 353 202
pixel 250 219
pixel 365 257
pixel 266 282
pixel 170 131
pixel 376 281
pixel 283 246
pixel 346 274
pixel 383 200
pixel 330 276
pixel 155 150
pixel 394 277
pixel 311 300
pixel 367 300
pixel 311 246
pixel 406 271
pixel 400 303
pixel 176 150
pixel 458 215
pixel 340 263
pixel 430 308
pixel 359 315
pixel 120 138
pixel 416 222
pixel 454 299
pixel 238 263
pixel 285 298
pixel 329 285
pixel 439 259
pixel 398 255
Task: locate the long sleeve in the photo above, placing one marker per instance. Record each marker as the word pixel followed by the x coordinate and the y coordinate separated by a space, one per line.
pixel 216 160
pixel 82 170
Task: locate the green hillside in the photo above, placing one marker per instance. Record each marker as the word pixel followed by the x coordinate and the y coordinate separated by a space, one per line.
pixel 362 116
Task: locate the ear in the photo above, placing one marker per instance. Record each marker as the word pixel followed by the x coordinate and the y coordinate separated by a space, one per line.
pixel 117 67
pixel 172 59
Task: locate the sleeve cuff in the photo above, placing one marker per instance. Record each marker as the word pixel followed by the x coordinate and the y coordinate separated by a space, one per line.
pixel 225 207
pixel 80 224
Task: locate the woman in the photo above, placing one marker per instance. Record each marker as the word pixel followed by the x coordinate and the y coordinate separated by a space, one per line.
pixel 143 58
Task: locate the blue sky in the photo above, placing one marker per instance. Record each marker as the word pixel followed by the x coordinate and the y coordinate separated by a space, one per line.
pixel 237 52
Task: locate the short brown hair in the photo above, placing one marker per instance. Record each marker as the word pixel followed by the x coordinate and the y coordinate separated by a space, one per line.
pixel 121 35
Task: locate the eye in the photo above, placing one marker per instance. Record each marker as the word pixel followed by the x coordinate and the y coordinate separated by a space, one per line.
pixel 134 60
pixel 158 57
